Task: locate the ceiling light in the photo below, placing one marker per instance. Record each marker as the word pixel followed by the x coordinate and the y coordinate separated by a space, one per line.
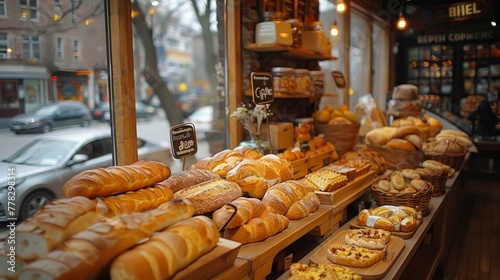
pixel 341 6
pixel 334 30
pixel 493 23
pixel 401 23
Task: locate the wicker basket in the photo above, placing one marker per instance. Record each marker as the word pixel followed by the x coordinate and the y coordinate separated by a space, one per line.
pixel 438 183
pixel 454 160
pixel 420 199
pixel 343 137
pixel 394 157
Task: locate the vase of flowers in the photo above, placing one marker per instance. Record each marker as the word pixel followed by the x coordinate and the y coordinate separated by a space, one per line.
pixel 251 117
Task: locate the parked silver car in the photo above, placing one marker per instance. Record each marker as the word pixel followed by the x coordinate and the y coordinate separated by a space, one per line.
pixel 39 169
pixel 55 115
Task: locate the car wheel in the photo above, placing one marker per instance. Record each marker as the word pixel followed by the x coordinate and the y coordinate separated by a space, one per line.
pixel 46 127
pixel 34 202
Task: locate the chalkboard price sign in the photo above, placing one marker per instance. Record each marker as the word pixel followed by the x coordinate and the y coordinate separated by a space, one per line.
pixel 183 140
pixel 262 88
pixel 338 77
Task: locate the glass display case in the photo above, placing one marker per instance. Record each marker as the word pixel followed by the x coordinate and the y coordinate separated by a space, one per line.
pixel 481 68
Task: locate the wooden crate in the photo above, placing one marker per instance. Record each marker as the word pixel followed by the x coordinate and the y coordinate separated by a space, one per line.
pixel 317 161
pixel 260 254
pixel 360 183
pixel 300 168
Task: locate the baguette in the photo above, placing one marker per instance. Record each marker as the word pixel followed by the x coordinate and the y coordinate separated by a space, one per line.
pixel 84 255
pixel 186 178
pixel 246 209
pixel 211 195
pixel 167 252
pixel 116 179
pixel 133 201
pixel 54 223
pixel 258 228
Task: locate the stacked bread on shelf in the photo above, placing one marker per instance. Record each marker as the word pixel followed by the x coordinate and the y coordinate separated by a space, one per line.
pixel 390 218
pixel 405 100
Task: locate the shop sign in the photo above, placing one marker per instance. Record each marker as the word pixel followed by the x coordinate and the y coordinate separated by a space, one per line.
pixel 462 11
pixel 183 140
pixel 456 37
pixel 262 88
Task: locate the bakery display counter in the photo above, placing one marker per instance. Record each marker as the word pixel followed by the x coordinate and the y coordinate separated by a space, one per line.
pixel 259 255
pixel 431 241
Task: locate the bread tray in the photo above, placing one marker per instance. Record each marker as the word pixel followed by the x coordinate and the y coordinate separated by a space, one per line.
pixel 221 258
pixel 376 271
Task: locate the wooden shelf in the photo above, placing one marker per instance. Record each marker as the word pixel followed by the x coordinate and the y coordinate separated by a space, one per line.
pixel 288 51
pixel 288 95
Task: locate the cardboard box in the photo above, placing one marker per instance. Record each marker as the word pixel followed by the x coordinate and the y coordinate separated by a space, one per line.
pixel 282 135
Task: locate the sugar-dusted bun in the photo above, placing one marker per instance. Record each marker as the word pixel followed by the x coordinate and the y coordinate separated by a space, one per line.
pixel 405 92
pixel 400 144
pixel 402 131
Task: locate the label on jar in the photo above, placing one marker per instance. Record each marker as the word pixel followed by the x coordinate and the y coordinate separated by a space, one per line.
pixel 318 87
pixel 262 88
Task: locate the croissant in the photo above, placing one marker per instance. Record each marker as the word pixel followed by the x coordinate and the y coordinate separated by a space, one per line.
pixel 248 152
pixel 281 196
pixel 220 163
pixel 303 207
pixel 116 179
pixel 258 228
pixel 246 209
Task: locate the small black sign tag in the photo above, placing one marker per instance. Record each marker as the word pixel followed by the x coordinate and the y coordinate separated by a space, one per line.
pixel 319 87
pixel 183 140
pixel 262 88
pixel 338 77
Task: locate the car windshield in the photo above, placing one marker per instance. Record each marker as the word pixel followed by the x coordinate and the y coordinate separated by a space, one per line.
pixel 48 110
pixel 42 152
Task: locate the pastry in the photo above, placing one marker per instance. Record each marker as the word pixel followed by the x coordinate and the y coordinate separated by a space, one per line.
pixel 368 238
pixel 355 256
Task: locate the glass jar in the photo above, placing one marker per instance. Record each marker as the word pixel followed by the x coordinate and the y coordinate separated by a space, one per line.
pixel 304 129
pixel 314 38
pixel 297 29
pixel 284 79
pixel 303 81
pixel 317 82
pixel 273 30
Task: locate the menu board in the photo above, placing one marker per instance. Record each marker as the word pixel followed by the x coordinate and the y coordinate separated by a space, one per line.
pixel 183 140
pixel 262 88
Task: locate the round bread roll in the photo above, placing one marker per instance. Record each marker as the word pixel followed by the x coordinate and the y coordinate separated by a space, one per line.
pixel 410 173
pixel 402 131
pixel 419 184
pixel 398 181
pixel 449 146
pixel 453 132
pixel 405 92
pixel 415 140
pixel 384 185
pixel 410 189
pixel 400 144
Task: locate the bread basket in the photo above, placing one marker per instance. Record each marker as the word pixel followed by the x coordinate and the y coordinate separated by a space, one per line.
pixel 420 198
pixel 452 157
pixel 438 183
pixel 343 136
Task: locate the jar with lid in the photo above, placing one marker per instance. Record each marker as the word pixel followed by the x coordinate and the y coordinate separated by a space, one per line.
pixel 303 81
pixel 314 38
pixel 297 29
pixel 317 82
pixel 273 30
pixel 284 79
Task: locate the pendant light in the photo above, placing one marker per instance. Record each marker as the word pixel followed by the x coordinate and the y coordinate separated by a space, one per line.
pixel 401 23
pixel 341 6
pixel 335 29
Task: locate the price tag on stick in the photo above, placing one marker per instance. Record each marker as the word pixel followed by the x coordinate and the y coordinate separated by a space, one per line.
pixel 183 141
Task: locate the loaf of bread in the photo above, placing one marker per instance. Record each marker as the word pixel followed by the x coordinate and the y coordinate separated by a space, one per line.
pixel 258 228
pixel 379 164
pixel 185 178
pixel 167 252
pixel 380 136
pixel 404 130
pixel 133 201
pixel 303 207
pixel 246 209
pixel 400 144
pixel 281 196
pixel 255 176
pixel 390 218
pixel 211 195
pixel 220 163
pixel 86 253
pixel 116 179
pixel 53 224
pixel 405 92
